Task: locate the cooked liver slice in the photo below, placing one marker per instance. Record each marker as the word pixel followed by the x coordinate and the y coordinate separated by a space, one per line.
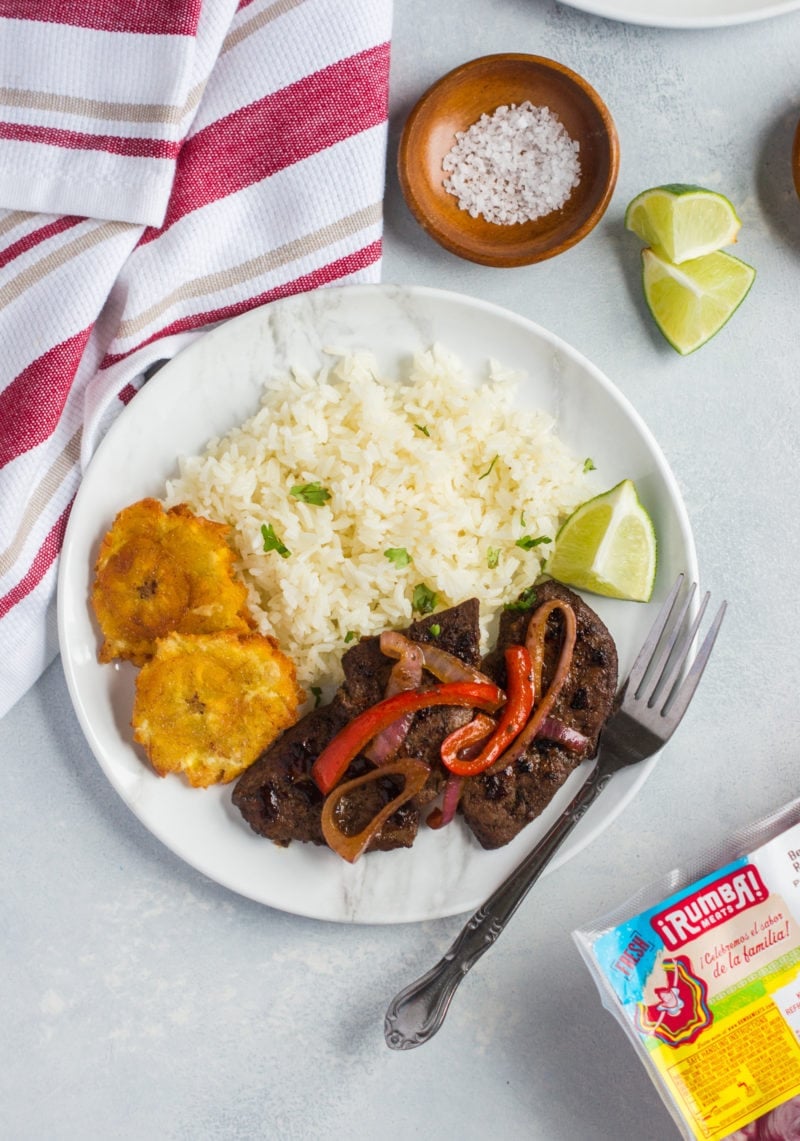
pixel 498 804
pixel 279 800
pixel 277 796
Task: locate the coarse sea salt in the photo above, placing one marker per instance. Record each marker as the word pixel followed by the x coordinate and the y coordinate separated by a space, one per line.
pixel 513 166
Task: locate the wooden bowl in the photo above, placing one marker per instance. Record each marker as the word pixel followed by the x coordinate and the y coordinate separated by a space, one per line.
pixel 457 101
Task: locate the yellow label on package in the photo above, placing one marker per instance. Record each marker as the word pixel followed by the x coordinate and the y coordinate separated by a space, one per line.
pixel 710 981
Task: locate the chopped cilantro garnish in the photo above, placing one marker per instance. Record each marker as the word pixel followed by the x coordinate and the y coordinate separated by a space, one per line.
pixel 493 557
pixel 272 542
pixel 423 599
pixel 435 630
pixel 525 600
pixel 522 518
pixel 315 689
pixel 588 464
pixel 489 468
pixel 528 542
pixel 422 428
pixel 398 555
pixel 311 493
pixel 350 635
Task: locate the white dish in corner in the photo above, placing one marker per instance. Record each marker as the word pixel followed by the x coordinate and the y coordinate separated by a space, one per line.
pixel 686 13
pixel 215 384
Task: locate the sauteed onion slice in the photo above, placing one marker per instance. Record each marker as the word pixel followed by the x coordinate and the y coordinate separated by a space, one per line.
pixel 415 774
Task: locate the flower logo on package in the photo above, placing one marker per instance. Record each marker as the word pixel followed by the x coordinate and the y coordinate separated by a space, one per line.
pixel 681 1011
pixel 707 985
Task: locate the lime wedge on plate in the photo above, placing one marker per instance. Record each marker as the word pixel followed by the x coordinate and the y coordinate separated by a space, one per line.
pixel 608 546
pixel 691 302
pixel 683 222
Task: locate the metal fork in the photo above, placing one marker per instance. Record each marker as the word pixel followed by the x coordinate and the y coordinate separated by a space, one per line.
pixel 648 708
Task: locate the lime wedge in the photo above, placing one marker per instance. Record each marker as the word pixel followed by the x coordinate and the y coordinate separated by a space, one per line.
pixel 683 222
pixel 608 546
pixel 691 302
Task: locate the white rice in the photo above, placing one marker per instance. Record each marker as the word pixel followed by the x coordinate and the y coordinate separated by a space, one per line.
pixel 516 165
pixel 453 474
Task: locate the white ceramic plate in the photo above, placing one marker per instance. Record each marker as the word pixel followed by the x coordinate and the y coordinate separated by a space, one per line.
pixel 214 385
pixel 686 13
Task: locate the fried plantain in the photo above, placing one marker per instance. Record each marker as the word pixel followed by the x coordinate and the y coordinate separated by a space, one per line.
pixel 161 571
pixel 207 705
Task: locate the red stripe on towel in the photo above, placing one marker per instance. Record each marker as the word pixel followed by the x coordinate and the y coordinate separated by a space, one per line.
pixel 36 237
pixel 43 560
pixel 273 133
pixel 148 17
pixel 30 406
pixel 82 141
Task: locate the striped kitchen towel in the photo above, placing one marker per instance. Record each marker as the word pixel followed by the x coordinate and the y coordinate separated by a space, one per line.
pixel 164 165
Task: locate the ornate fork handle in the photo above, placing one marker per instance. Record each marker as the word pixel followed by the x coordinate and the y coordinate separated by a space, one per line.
pixel 417 1012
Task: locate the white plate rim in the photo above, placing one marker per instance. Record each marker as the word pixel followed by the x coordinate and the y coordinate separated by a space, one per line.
pixel 614 10
pixel 496 865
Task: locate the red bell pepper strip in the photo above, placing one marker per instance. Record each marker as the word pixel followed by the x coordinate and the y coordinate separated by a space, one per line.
pixel 536 633
pixel 467 740
pixel 331 765
pixel 474 734
pixel 415 774
pixel 513 717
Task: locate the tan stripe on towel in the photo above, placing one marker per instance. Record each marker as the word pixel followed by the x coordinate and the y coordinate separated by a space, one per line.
pixel 13 219
pixel 60 104
pixel 58 257
pixel 260 20
pixel 255 267
pixel 44 491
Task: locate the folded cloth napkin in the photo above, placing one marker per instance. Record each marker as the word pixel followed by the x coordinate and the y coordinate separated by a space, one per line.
pixel 164 165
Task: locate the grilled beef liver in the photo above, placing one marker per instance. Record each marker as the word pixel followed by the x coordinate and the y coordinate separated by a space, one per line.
pixel 277 795
pixel 366 669
pixel 279 799
pixel 500 802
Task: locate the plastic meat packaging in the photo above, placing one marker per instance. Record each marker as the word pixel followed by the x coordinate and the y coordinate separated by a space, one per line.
pixel 702 970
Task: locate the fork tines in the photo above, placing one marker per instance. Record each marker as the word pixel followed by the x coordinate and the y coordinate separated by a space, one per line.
pixel 661 664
